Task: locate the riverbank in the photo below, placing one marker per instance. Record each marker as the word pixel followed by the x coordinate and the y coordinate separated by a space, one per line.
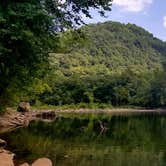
pixel 12 119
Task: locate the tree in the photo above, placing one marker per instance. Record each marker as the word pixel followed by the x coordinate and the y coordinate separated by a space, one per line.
pixel 27 35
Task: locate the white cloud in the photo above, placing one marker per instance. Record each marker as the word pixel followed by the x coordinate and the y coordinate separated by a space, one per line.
pixel 164 21
pixel 133 5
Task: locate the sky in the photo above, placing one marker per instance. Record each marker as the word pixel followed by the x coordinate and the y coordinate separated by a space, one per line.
pixel 149 14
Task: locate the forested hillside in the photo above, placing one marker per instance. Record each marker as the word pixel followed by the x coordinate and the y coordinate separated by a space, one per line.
pixel 115 47
pixel 117 64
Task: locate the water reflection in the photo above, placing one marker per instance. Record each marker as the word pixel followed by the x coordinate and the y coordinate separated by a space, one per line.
pixel 94 140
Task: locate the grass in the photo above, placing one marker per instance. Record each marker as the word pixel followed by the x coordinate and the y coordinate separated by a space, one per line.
pixel 75 106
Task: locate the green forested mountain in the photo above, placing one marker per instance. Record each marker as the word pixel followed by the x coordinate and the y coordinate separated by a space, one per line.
pixel 121 46
pixel 116 64
pixel 105 63
pixel 114 47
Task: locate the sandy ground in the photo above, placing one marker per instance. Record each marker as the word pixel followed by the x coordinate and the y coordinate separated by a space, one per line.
pixel 112 111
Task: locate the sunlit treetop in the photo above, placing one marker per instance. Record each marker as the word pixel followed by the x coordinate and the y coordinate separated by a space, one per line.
pixel 64 13
pixel 69 13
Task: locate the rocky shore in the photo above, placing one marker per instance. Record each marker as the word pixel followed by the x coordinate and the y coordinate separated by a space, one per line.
pixel 6 158
pixel 12 120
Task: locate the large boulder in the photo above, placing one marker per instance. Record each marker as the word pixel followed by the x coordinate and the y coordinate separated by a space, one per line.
pixel 23 107
pixel 6 158
pixel 42 162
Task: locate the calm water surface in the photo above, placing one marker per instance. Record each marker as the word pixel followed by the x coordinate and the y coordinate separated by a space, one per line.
pixel 94 140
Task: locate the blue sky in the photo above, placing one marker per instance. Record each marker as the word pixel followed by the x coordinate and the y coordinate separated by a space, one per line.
pixel 149 14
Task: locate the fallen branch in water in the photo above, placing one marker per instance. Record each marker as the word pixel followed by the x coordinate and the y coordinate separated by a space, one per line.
pixel 102 127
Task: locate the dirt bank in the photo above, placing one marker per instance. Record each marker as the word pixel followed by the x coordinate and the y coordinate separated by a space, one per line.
pixel 12 119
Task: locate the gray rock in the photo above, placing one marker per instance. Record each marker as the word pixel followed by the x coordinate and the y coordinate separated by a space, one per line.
pixel 23 107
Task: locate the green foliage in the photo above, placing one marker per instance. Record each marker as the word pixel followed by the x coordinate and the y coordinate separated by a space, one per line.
pixel 157 92
pixel 27 36
pixel 97 65
pixel 24 41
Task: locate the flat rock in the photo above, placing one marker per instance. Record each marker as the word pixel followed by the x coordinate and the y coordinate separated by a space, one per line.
pixel 42 162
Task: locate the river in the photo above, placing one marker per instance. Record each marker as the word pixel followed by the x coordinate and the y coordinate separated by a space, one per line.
pixel 93 140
